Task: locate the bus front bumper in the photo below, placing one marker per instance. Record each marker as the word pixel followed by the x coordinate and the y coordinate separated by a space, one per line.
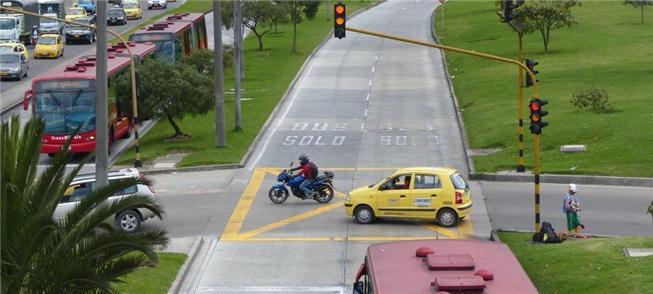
pixel 86 147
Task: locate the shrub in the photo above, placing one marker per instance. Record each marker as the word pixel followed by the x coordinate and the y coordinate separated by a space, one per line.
pixel 594 99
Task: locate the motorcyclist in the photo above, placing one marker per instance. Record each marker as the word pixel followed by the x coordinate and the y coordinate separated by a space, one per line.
pixel 35 34
pixel 306 169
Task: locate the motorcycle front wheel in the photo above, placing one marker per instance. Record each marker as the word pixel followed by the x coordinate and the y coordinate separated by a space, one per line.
pixel 278 196
pixel 324 194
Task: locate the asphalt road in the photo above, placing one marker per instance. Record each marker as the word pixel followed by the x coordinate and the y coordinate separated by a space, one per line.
pixel 362 107
pixel 606 210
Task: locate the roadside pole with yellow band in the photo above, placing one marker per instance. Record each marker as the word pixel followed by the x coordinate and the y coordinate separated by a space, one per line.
pixel 137 162
pixel 522 67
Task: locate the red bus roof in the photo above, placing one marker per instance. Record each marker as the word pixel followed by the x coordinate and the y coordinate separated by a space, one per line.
pixel 395 268
pixel 164 27
pixel 84 68
pixel 194 17
pixel 139 49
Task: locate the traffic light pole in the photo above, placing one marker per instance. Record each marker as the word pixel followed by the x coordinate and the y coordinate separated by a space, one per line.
pixel 522 67
pixel 520 143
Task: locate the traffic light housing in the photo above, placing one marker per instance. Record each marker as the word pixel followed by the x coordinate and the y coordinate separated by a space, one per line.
pixel 530 63
pixel 537 114
pixel 509 11
pixel 339 20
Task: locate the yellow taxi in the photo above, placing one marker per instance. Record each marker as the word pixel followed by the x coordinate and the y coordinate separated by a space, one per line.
pixel 74 13
pixel 133 10
pixel 14 47
pixel 428 193
pixel 49 45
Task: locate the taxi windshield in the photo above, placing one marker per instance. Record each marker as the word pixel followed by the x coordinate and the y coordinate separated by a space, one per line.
pixel 84 2
pixel 6 49
pixel 9 59
pixel 76 10
pixel 130 5
pixel 47 40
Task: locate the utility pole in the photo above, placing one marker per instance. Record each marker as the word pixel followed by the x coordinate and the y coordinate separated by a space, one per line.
pixel 238 35
pixel 328 8
pixel 220 138
pixel 101 109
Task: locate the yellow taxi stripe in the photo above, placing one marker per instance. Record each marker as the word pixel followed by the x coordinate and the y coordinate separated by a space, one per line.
pixel 244 204
pixel 292 219
pixel 438 229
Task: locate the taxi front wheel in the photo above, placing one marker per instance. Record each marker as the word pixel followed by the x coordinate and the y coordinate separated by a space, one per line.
pixel 364 215
pixel 447 217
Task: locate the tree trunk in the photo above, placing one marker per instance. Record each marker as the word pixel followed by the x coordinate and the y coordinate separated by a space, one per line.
pixel 260 39
pixel 178 132
pixel 642 9
pixel 294 26
pixel 276 30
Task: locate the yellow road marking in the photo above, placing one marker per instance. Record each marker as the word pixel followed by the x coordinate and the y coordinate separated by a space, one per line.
pixel 244 204
pixel 440 230
pixel 347 168
pixel 466 228
pixel 292 219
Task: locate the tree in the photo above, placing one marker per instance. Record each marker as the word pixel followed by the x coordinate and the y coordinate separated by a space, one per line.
pixel 202 60
pixel 258 16
pixel 298 10
pixel 170 91
pixel 640 4
pixel 546 15
pixel 80 253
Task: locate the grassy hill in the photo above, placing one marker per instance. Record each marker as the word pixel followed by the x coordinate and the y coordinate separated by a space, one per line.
pixel 609 49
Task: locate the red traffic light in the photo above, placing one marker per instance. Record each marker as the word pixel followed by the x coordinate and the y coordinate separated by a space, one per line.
pixel 340 9
pixel 535 105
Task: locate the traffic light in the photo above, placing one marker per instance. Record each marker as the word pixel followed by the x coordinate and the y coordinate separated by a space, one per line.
pixel 509 11
pixel 339 20
pixel 530 63
pixel 537 114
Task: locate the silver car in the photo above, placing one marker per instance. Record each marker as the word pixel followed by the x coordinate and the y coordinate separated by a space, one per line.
pixel 127 220
pixel 13 65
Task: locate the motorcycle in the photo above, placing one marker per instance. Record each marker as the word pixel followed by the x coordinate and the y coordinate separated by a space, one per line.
pixel 323 185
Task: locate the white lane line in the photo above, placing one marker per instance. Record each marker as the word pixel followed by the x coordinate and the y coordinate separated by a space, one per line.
pixel 363 126
pixel 367 98
pixel 283 116
pixel 370 83
pixel 373 68
pixel 376 57
pixel 365 112
pixel 272 289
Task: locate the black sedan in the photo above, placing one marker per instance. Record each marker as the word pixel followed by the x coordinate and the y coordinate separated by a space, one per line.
pixel 116 16
pixel 81 33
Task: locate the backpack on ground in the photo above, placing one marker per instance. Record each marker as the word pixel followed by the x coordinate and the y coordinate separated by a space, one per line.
pixel 547 234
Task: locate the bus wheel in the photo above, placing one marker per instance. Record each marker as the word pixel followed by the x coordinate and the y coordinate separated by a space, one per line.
pixel 51 155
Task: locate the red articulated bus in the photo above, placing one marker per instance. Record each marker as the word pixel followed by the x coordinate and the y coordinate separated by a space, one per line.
pixel 176 35
pixel 441 266
pixel 65 100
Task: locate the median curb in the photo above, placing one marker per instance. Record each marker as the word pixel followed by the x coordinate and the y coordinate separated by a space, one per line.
pixel 185 268
pixel 565 179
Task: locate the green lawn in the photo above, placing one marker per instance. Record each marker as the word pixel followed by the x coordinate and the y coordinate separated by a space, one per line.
pixel 595 265
pixel 609 49
pixel 156 280
pixel 268 74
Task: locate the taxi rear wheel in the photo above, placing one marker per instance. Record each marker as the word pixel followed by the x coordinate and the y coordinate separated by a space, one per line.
pixel 447 217
pixel 364 215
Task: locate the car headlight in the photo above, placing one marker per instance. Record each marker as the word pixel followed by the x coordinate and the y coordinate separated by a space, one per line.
pixel 347 198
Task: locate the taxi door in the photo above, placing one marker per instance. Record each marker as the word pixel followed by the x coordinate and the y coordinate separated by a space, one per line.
pixel 393 197
pixel 427 195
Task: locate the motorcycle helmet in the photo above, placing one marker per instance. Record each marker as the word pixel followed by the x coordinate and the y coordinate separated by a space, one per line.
pixel 303 159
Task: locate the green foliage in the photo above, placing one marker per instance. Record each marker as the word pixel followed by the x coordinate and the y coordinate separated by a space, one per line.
pixel 172 91
pixel 80 253
pixel 297 12
pixel 258 16
pixel 547 15
pixel 579 266
pixel 594 99
pixel 639 4
pixel 203 60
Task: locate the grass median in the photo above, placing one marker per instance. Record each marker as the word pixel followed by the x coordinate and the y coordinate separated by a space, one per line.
pixel 595 265
pixel 609 49
pixel 153 280
pixel 268 74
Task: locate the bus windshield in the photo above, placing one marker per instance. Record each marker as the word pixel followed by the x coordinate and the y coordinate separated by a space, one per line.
pixel 164 42
pixel 66 105
pixel 7 24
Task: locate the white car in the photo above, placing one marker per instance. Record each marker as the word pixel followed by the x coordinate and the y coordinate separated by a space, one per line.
pixel 163 4
pixel 128 220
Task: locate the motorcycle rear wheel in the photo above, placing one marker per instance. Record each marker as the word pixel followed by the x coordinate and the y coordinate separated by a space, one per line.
pixel 278 196
pixel 324 194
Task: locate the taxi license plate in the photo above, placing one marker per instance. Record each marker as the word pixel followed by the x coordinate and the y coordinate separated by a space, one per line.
pixel 76 36
pixel 3 73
